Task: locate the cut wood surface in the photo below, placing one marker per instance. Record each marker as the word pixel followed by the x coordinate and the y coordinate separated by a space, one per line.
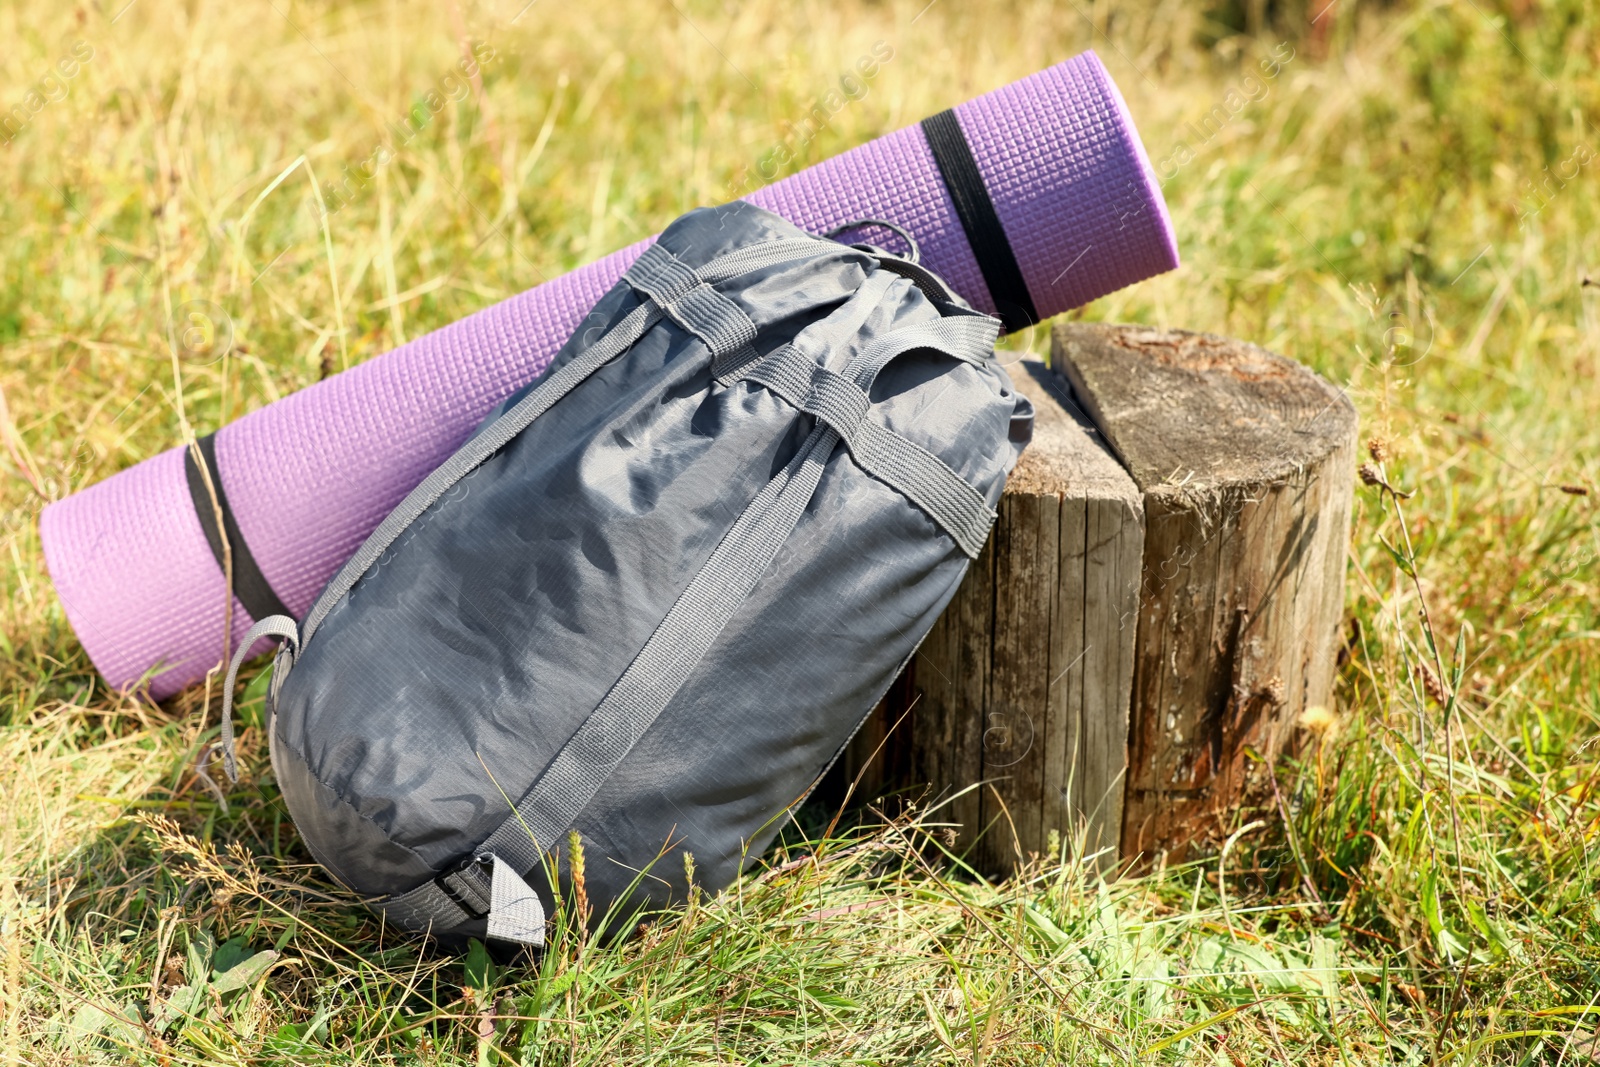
pixel 1245 462
pixel 1159 602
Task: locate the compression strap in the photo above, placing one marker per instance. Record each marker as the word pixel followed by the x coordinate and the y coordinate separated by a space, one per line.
pixel 1012 301
pixel 249 584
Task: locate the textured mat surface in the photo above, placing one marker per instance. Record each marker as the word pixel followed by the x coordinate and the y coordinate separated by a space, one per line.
pixel 311 475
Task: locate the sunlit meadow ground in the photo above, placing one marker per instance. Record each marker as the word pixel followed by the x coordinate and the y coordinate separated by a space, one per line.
pixel 1409 206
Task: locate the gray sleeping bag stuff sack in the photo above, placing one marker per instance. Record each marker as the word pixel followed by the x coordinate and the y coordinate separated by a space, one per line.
pixel 655 593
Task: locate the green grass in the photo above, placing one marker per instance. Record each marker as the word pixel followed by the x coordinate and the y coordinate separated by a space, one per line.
pixel 1380 209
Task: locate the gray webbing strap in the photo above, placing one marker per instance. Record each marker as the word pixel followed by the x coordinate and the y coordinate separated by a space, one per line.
pixel 490 888
pixel 726 367
pixel 660 275
pixel 766 254
pixel 830 334
pixel 471 893
pixel 927 481
pixel 922 477
pixel 424 907
pixel 958 336
pixel 824 335
pixel 685 293
pixel 713 318
pixel 660 669
pixel 271 626
pixel 691 302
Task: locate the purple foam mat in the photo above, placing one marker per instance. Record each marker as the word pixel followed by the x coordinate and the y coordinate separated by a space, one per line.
pixel 311 475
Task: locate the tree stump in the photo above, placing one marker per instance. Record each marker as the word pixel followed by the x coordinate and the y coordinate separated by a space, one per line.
pixel 1159 602
pixel 1245 462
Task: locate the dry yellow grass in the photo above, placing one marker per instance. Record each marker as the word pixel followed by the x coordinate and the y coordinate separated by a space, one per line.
pixel 1408 205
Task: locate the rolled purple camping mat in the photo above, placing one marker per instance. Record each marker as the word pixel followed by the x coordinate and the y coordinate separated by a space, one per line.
pixel 1030 200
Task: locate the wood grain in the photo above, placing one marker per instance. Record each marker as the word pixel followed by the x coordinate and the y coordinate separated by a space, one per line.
pixel 1244 460
pixel 1158 603
pixel 1018 699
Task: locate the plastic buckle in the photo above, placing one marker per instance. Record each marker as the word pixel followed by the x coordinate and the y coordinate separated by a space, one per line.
pixel 467 884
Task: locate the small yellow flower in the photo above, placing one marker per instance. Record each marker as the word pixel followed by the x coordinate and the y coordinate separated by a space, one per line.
pixel 1320 721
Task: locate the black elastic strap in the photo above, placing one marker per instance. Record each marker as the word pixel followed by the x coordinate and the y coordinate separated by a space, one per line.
pixel 249 584
pixel 1012 301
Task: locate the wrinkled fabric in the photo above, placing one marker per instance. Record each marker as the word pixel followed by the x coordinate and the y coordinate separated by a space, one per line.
pixel 432 695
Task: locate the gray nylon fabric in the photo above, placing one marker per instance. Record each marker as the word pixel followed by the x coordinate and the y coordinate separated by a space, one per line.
pixel 479 448
pixel 665 663
pixel 922 476
pixel 658 274
pixel 496 641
